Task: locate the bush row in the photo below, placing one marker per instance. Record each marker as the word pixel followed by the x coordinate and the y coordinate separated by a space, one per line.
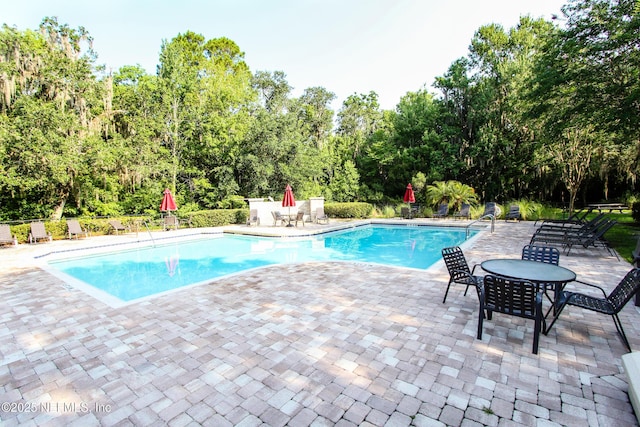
pixel 348 210
pixel 98 226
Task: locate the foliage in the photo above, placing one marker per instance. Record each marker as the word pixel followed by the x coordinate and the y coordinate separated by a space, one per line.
pixel 534 112
pixel 348 210
pixel 218 217
pixel 452 192
pixel 529 210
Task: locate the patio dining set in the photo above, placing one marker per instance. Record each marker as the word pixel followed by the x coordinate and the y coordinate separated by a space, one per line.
pixel 518 287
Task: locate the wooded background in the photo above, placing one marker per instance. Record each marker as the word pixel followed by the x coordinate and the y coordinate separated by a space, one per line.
pixel 547 111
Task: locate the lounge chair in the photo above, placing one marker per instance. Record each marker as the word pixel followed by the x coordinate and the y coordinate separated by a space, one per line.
pixel 555 233
pixel 321 216
pixel 443 211
pixel 585 237
pixel 277 216
pixel 300 217
pixel 607 304
pixel 464 212
pixel 6 236
pixel 38 232
pixel 117 226
pixel 459 271
pixel 514 213
pixel 74 229
pixel 514 297
pixel 577 217
pixel 253 218
pixel 562 227
pixel 491 211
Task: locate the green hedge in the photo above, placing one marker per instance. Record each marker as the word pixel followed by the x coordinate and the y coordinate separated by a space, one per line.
pixel 98 226
pixel 348 210
pixel 218 217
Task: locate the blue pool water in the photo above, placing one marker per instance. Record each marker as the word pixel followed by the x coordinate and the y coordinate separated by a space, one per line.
pixel 133 274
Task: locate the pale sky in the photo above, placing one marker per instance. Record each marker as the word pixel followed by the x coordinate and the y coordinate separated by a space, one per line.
pixel 346 46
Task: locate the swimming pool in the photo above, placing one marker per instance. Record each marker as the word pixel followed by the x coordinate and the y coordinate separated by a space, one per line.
pixel 130 275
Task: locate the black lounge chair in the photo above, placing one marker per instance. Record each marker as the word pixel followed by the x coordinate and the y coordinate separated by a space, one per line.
pixel 459 271
pixel 491 210
pixel 577 217
pixel 587 239
pixel 551 234
pixel 607 304
pixel 464 212
pixel 514 213
pixel 443 211
pixel 514 297
pixel 562 227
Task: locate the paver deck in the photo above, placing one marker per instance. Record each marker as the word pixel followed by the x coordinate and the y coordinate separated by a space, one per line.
pixel 307 344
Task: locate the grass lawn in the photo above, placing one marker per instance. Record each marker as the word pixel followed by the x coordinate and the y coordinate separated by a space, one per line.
pixel 624 235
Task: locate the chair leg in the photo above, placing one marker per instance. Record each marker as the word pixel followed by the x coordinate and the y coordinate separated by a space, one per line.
pixel 446 292
pixel 480 320
pixel 555 317
pixel 616 320
pixel 536 331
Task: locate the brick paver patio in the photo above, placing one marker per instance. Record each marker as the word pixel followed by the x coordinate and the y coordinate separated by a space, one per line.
pixel 307 344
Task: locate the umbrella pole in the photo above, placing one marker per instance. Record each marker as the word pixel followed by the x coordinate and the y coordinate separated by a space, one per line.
pixel 289 225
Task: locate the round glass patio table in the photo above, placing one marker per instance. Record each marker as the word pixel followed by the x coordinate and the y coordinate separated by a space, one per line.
pixel 551 276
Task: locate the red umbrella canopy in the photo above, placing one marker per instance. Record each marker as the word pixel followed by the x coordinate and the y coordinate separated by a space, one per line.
pixel 168 203
pixel 409 197
pixel 288 200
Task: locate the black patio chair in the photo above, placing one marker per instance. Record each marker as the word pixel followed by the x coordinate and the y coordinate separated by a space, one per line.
pixel 514 213
pixel 443 211
pixel 547 254
pixel 459 271
pixel 464 212
pixel 607 304
pixel 514 297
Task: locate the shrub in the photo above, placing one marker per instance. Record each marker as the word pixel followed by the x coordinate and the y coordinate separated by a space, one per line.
pixel 348 210
pixel 218 217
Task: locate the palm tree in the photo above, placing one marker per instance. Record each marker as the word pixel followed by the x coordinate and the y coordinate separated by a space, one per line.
pixel 439 192
pixel 462 193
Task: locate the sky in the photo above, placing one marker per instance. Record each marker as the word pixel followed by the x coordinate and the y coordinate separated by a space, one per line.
pixel 348 47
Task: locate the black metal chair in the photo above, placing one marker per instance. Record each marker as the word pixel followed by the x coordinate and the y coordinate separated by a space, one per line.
pixel 443 211
pixel 514 213
pixel 459 271
pixel 547 254
pixel 514 297
pixel 609 304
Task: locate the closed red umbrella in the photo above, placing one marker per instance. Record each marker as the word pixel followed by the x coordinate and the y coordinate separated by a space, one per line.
pixel 288 201
pixel 409 198
pixel 168 203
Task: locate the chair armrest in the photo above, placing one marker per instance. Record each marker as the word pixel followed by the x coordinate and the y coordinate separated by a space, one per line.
pixel 591 285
